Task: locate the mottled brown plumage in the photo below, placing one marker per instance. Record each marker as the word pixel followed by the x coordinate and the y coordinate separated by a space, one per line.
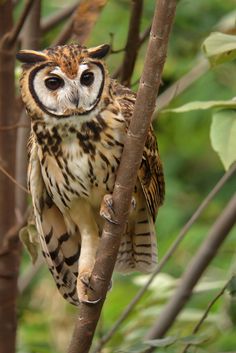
pixel 79 121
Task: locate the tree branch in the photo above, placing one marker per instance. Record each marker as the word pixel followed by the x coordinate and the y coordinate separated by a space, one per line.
pixel 13 180
pixel 130 307
pixel 132 44
pixel 56 18
pixel 144 36
pixel 198 265
pixel 127 174
pixel 13 35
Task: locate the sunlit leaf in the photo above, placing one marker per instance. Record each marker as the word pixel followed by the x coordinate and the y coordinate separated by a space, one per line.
pixel 219 48
pixel 203 105
pixel 28 235
pixel 223 136
pixel 162 342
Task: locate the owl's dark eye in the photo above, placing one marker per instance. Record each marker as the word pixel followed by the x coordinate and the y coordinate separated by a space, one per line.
pixel 87 78
pixel 53 83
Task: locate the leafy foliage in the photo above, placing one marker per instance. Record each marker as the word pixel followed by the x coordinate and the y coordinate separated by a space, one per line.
pixel 191 169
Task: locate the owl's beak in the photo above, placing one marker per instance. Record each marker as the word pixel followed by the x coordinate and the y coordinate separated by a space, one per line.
pixel 75 101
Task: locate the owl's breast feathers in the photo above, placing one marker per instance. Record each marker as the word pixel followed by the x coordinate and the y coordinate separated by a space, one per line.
pixel 80 159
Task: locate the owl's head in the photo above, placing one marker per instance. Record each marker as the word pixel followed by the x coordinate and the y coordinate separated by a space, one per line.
pixel 63 81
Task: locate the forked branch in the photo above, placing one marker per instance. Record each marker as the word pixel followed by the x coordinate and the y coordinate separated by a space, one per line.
pixel 127 174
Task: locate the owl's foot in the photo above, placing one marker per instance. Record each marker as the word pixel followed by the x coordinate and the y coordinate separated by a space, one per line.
pixel 106 209
pixel 83 283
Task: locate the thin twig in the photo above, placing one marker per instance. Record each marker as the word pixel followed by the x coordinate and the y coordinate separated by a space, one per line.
pixel 130 307
pixel 204 316
pixel 182 84
pixel 13 179
pixel 126 176
pixel 207 252
pixel 13 127
pixel 143 37
pixel 13 35
pixel 132 43
pixel 56 18
pixel 12 233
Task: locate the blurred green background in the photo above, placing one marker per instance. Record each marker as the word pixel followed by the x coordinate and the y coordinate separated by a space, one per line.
pixel 191 169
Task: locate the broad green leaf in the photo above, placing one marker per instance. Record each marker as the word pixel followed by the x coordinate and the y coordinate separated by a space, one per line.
pixel 203 105
pixel 223 136
pixel 162 342
pixel 219 48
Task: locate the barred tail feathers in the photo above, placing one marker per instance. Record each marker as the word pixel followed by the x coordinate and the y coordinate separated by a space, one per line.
pixel 138 248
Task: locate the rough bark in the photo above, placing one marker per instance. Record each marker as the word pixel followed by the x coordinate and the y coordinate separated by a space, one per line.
pixel 9 251
pixel 127 174
pixel 30 39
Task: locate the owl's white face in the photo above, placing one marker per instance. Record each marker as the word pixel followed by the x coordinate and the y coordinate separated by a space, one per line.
pixel 60 95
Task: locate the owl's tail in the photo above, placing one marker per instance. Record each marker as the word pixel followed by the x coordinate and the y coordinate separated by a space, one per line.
pixel 138 248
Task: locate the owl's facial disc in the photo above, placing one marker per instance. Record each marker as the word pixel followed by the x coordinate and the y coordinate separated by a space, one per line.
pixel 63 96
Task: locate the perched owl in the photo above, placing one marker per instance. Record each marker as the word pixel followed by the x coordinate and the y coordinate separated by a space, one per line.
pixel 79 119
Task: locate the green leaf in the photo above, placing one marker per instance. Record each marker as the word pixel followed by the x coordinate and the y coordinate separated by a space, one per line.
pixel 223 136
pixel 232 286
pixel 203 105
pixel 29 237
pixel 219 48
pixel 162 342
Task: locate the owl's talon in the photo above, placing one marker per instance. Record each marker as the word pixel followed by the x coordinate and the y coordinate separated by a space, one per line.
pixel 90 302
pixel 106 210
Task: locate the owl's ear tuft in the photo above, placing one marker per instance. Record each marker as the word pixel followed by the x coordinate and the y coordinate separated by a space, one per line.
pixel 30 56
pixel 99 52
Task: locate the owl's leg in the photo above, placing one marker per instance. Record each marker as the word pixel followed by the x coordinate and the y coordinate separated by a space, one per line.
pixel 81 213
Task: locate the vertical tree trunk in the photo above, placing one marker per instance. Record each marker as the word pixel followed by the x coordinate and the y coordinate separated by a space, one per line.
pixel 30 40
pixel 9 250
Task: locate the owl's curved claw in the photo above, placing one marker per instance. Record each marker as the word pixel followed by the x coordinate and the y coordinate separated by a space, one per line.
pixel 106 209
pixel 90 302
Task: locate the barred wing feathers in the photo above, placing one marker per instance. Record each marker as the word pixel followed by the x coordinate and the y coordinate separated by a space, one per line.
pixel 57 247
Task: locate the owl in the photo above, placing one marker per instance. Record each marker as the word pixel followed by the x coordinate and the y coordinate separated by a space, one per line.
pixel 79 119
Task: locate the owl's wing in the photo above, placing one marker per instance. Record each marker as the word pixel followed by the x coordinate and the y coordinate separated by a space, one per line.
pixel 150 172
pixel 57 247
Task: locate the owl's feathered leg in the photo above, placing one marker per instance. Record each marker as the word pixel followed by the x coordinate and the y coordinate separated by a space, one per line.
pixel 81 213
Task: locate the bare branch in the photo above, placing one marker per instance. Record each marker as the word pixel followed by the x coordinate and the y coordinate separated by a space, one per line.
pixel 198 265
pixel 144 36
pixel 13 35
pixel 132 43
pixel 65 34
pixel 13 127
pixel 132 154
pixel 13 179
pixel 82 22
pixel 204 316
pixel 56 18
pixel 130 307
pixel 85 18
pixel 182 84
